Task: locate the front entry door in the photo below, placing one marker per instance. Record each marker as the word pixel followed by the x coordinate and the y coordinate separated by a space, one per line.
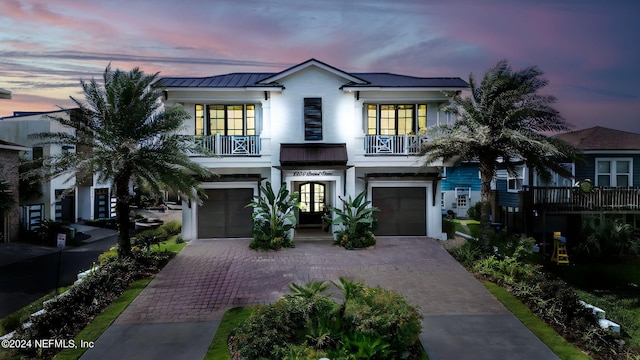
pixel 312 207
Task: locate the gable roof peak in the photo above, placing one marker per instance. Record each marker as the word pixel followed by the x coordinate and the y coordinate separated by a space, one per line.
pixel 309 63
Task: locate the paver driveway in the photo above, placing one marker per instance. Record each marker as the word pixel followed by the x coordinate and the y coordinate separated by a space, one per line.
pixel 462 319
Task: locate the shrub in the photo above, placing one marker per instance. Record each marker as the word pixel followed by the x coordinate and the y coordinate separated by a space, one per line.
pixel 49 230
pixel 171 228
pixel 299 352
pixel 449 227
pixel 386 315
pixel 356 218
pixel 271 327
pixel 474 211
pixel 273 218
pixel 372 323
pixel 146 238
pixel 512 245
pixel 468 253
pixel 608 237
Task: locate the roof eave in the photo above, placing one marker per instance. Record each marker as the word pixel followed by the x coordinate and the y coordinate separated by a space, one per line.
pixel 244 88
pixel 401 88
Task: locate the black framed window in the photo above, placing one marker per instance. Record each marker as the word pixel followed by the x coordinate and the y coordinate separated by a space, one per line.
pixel 234 120
pixel 313 118
pixel 396 119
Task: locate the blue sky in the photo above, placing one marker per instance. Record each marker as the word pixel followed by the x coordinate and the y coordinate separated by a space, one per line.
pixel 587 49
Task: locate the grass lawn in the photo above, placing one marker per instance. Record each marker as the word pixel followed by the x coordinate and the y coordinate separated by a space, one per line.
pixel 546 334
pixel 218 350
pixel 469 227
pixel 101 322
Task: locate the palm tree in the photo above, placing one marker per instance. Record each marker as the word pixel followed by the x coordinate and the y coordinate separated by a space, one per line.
pixel 124 136
pixel 505 119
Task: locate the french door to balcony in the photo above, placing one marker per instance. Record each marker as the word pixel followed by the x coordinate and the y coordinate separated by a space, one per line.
pixel 312 199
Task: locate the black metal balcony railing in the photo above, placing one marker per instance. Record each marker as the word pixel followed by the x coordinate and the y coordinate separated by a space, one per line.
pixel 574 199
pixel 393 144
pixel 229 145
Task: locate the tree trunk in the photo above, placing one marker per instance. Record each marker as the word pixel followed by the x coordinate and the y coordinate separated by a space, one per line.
pixel 122 215
pixel 487 170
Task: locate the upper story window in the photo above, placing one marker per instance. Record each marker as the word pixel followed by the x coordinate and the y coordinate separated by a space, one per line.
pixel 235 120
pixel 515 181
pixel 614 172
pixel 313 118
pixel 557 180
pixel 396 119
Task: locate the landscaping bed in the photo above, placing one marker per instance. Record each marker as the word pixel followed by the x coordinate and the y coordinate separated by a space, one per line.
pixel 545 294
pixel 64 316
pixel 371 323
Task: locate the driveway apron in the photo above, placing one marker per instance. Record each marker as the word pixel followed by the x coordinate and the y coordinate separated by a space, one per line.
pixel 176 316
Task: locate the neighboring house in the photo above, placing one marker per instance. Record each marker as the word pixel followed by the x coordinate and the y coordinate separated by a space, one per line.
pixel 325 133
pixel 461 188
pixel 605 181
pixel 88 200
pixel 9 172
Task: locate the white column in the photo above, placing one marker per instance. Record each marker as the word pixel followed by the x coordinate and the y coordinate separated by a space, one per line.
pixel 351 182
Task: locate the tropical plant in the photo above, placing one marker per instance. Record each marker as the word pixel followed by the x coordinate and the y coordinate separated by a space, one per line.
pixel 608 237
pixel 122 133
pixel 506 119
pixel 356 218
pixel 273 218
pixel 308 289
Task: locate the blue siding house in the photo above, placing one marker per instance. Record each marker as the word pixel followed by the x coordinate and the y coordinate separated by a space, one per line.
pixel 605 182
pixel 461 188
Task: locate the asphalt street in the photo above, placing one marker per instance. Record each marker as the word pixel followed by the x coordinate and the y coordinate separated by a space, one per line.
pixel 24 282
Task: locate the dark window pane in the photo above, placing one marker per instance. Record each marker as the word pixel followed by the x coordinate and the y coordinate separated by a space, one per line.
pixel 313 119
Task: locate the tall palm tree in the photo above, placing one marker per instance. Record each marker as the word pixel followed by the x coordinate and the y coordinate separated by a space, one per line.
pixel 505 119
pixel 124 136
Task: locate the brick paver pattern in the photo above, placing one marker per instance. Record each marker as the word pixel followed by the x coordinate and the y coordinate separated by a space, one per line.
pixel 210 276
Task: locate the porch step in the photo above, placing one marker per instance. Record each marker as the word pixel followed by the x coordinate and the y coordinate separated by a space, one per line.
pixel 307 234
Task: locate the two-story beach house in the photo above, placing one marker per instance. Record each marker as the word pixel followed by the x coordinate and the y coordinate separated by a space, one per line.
pixel 323 132
pixel 88 200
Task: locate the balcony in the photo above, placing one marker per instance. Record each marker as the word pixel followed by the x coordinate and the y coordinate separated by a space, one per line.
pixel 229 145
pixel 573 199
pixel 393 144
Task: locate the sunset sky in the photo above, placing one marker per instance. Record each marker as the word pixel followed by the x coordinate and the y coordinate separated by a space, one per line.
pixel 588 49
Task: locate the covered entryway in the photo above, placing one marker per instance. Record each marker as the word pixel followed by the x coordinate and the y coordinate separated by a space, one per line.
pixel 403 210
pixel 224 213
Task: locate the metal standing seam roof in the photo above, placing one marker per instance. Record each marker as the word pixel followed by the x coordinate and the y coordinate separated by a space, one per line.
pixel 240 80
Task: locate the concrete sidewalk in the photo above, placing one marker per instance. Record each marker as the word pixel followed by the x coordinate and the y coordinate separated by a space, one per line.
pixel 176 316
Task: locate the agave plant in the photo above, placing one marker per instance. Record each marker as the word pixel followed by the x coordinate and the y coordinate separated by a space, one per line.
pixel 273 217
pixel 357 220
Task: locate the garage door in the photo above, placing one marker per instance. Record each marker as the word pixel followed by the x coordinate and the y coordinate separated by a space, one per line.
pixel 224 214
pixel 402 210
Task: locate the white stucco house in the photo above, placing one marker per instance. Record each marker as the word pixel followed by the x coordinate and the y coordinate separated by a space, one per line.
pixel 87 200
pixel 321 131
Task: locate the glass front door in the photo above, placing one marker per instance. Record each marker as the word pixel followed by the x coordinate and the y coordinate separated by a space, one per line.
pixel 312 203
